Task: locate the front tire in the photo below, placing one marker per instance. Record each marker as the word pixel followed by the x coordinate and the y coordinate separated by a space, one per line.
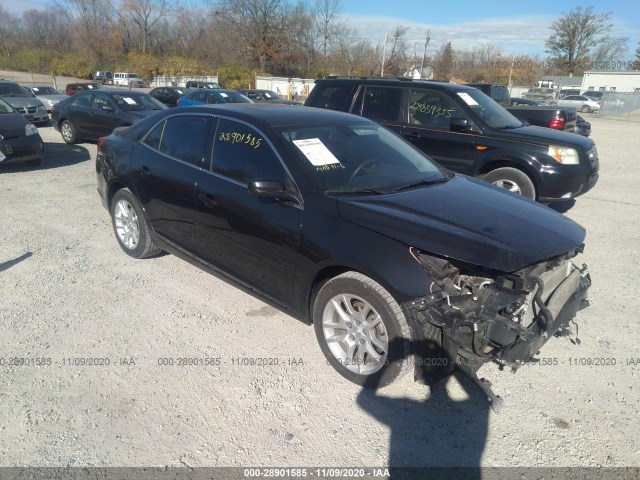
pixel 68 132
pixel 130 226
pixel 513 180
pixel 361 330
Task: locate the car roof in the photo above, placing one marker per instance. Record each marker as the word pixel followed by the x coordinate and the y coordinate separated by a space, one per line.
pixel 395 81
pixel 277 114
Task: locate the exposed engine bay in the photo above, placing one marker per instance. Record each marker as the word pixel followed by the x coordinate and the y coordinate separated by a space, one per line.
pixel 472 315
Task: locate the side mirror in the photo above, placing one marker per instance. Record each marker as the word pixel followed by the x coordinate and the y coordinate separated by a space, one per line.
pixel 271 189
pixel 266 188
pixel 108 108
pixel 459 125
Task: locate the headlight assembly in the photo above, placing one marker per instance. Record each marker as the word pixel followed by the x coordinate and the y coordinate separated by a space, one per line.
pixel 564 155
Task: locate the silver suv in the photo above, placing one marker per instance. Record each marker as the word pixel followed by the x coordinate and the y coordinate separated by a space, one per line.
pixel 23 101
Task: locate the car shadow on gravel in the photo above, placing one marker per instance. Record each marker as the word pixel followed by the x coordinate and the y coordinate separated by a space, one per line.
pixel 436 437
pixel 56 155
pixel 8 264
pixel 562 206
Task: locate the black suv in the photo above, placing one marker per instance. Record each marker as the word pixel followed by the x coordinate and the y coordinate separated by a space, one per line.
pixel 465 130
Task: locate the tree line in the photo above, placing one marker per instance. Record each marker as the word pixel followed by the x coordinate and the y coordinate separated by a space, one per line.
pixel 241 38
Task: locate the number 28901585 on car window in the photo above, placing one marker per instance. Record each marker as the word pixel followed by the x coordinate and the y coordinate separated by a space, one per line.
pixel 349 227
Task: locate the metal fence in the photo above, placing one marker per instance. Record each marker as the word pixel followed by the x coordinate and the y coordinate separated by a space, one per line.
pixel 625 106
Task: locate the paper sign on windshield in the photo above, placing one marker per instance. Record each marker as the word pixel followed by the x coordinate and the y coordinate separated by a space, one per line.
pixel 130 101
pixel 467 99
pixel 222 94
pixel 316 152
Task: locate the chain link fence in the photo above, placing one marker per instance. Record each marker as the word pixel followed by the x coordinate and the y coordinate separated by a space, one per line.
pixel 623 106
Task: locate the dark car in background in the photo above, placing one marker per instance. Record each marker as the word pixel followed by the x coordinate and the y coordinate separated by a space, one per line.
pixel 23 101
pixel 169 95
pixel 19 139
pixel 90 115
pixel 258 95
pixel 73 88
pixel 200 84
pixel 463 129
pixel 103 77
pixel 298 204
pixel 582 127
pixel 212 96
pixel 500 93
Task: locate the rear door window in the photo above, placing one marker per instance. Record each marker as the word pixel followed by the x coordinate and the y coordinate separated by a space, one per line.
pixel 380 103
pixel 335 97
pixel 182 137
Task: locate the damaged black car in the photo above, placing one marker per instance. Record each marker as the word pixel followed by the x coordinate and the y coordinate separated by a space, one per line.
pixel 397 262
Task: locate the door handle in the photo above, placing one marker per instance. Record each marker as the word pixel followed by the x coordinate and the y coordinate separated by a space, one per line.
pixel 208 200
pixel 412 135
pixel 144 172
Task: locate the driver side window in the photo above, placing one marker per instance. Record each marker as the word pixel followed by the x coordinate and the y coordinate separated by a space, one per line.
pixel 431 109
pixel 242 154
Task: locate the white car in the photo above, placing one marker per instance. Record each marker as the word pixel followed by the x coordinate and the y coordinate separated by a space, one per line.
pixel 127 78
pixel 49 96
pixel 580 102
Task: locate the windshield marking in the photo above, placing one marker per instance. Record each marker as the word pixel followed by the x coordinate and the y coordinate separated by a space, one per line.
pixel 316 152
pixel 467 99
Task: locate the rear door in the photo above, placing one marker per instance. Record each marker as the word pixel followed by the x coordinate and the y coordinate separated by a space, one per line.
pixel 79 113
pixel 167 163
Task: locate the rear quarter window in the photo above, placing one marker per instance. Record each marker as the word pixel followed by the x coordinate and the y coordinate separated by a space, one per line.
pixel 336 97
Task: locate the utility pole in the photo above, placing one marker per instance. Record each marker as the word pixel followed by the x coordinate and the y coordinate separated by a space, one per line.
pixel 384 52
pixel 426 43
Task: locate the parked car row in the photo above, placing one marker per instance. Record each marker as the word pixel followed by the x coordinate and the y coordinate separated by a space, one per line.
pixel 297 204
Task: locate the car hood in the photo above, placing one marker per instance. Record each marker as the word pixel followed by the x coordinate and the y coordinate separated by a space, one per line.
pixel 467 220
pixel 12 125
pixel 22 101
pixel 54 97
pixel 546 136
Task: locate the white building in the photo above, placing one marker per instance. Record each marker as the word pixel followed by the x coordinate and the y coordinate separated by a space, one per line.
pixel 619 82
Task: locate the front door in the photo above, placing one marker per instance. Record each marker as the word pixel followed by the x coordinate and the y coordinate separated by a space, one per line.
pixel 255 239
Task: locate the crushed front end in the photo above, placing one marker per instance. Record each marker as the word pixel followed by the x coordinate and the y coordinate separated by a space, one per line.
pixel 472 315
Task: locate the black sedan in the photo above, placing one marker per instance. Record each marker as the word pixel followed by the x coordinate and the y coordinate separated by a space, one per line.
pixel 169 95
pixel 349 227
pixel 19 139
pixel 90 115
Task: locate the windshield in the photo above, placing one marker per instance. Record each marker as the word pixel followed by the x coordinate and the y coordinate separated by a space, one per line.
pixel 46 91
pixel 227 96
pixel 13 90
pixel 490 111
pixel 349 158
pixel 137 102
pixel 5 107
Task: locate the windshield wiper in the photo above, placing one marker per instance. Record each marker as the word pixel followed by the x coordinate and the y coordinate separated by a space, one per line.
pixel 355 191
pixel 421 183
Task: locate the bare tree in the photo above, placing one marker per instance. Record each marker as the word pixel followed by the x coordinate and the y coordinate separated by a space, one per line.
pixel 145 14
pixel 327 25
pixel 7 29
pixel 574 35
pixel 443 63
pixel 608 49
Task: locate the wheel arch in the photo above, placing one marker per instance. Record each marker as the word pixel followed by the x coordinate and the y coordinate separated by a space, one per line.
pixel 494 164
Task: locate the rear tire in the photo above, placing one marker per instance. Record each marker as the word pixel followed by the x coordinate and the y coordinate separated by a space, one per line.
pixel 513 180
pixel 362 330
pixel 585 109
pixel 130 226
pixel 68 132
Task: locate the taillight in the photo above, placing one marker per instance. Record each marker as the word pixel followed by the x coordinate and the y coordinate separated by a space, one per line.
pixel 100 143
pixel 557 123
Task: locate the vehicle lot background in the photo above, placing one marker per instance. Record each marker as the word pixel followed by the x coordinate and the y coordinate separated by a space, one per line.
pixel 68 291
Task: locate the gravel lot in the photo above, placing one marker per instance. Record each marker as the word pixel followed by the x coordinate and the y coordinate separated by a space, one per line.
pixel 70 293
